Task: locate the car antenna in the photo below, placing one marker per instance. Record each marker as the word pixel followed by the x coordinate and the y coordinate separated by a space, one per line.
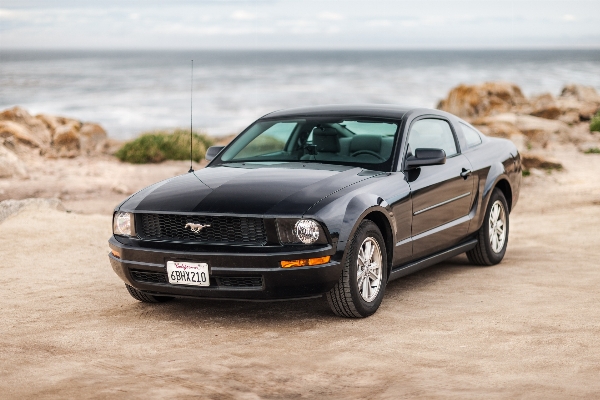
pixel 191 114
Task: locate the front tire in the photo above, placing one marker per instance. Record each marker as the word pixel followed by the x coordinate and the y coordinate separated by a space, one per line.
pixel 145 297
pixel 361 287
pixel 493 234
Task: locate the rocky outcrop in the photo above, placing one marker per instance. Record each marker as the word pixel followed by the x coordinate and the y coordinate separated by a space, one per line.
pixel 22 135
pixel 469 101
pixel 500 109
pixel 50 135
pixel 533 124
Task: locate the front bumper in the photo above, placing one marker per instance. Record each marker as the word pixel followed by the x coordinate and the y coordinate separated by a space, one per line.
pixel 244 276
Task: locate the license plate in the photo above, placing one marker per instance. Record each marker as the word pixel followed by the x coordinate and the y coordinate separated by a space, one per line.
pixel 186 273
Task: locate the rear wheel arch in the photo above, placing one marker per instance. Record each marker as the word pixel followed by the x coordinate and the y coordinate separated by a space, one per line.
pixel 506 190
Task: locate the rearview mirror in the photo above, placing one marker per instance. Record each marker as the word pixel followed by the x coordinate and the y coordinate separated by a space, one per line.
pixel 424 157
pixel 212 152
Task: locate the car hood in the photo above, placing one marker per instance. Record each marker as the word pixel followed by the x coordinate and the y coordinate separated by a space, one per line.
pixel 288 189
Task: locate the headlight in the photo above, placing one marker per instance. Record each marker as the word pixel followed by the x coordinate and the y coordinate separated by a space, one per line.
pixel 300 231
pixel 122 223
pixel 307 231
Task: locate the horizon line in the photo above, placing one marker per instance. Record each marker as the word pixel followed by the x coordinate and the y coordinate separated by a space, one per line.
pixel 278 49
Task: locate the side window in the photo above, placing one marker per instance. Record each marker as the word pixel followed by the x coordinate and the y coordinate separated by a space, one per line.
pixel 432 134
pixel 472 136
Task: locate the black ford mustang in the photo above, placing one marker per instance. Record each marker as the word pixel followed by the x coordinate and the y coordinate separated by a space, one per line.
pixel 334 200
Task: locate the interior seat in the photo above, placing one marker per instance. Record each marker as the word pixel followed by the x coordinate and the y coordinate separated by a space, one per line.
pixel 326 140
pixel 370 143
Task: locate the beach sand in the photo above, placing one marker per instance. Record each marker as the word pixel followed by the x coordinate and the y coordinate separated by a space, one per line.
pixel 528 327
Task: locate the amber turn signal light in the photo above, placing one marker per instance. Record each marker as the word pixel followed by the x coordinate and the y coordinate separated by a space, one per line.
pixel 115 253
pixel 305 262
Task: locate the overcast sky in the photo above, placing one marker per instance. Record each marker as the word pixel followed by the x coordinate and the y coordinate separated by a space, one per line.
pixel 298 24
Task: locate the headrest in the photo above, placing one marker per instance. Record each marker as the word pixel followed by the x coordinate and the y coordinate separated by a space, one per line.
pixel 326 140
pixel 365 142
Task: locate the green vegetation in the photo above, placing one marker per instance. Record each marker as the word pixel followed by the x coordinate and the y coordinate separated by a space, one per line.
pixel 158 146
pixel 595 123
pixel 526 172
pixel 593 150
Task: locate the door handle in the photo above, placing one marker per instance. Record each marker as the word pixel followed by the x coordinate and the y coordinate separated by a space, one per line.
pixel 466 173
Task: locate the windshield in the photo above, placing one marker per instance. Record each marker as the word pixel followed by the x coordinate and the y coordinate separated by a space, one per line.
pixel 360 142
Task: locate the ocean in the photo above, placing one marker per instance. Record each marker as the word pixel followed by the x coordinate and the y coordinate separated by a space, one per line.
pixel 130 92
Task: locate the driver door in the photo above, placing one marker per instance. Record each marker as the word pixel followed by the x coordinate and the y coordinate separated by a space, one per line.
pixel 441 194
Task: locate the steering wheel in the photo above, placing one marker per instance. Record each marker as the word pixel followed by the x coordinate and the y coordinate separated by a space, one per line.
pixel 369 152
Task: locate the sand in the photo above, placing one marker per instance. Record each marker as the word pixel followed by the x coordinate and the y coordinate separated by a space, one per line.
pixel 529 327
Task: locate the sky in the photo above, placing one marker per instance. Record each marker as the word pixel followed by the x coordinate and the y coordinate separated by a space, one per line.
pixel 298 24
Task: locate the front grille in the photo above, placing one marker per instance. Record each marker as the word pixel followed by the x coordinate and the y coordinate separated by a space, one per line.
pixel 225 281
pixel 148 276
pixel 171 227
pixel 245 281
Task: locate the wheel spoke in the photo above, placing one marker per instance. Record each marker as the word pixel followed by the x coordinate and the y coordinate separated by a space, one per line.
pixel 360 276
pixel 365 289
pixel 374 274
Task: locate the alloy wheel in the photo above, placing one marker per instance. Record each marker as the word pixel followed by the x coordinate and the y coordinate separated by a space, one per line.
pixel 369 272
pixel 497 226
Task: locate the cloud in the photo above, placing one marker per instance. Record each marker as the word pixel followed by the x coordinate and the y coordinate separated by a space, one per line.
pixel 569 17
pixel 242 15
pixel 329 16
pixel 379 22
pixel 7 14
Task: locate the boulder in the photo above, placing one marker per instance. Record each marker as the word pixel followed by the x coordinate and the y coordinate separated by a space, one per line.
pixel 92 138
pixel 543 106
pixel 19 134
pixel 538 131
pixel 10 165
pixel 469 101
pixel 586 94
pixel 65 141
pixel 13 207
pixel 36 128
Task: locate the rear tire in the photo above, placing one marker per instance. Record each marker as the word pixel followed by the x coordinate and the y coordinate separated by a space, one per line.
pixel 493 234
pixel 145 297
pixel 361 287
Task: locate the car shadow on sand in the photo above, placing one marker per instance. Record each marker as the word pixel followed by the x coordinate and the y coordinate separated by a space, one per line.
pixel 190 310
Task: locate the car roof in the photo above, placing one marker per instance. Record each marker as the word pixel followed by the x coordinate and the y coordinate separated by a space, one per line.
pixel 341 110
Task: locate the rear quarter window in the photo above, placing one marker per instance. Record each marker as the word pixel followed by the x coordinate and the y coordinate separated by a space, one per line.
pixel 471 135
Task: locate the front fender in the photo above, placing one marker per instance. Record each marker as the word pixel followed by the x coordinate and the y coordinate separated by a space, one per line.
pixel 344 215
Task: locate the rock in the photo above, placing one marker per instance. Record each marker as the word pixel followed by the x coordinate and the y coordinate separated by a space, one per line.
pixel 65 141
pixel 19 134
pixel 468 101
pixel 36 128
pixel 10 164
pixel 551 112
pixel 583 100
pixel 539 131
pixel 543 106
pixel 538 161
pixel 586 94
pixel 12 207
pixel 93 138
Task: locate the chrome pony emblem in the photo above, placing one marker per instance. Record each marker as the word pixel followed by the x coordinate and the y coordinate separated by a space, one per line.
pixel 196 228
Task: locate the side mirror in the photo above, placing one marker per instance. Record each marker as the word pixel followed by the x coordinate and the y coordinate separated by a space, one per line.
pixel 212 152
pixel 424 157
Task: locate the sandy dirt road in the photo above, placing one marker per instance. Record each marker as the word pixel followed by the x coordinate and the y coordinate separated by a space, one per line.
pixel 528 328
